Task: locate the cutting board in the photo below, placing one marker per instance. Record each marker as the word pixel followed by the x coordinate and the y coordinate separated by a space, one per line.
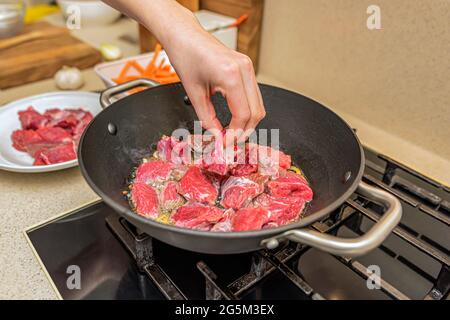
pixel 40 57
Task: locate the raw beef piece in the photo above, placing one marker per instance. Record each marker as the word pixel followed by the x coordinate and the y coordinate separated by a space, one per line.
pixel 164 148
pixel 50 138
pixel 64 118
pixel 197 216
pixel 81 126
pixel 169 197
pixel 270 160
pixel 243 169
pixel 54 135
pixel 145 200
pixel 245 160
pixel 237 192
pixel 281 210
pixel 31 119
pixel 290 184
pixel 225 224
pixel 22 138
pixel 214 159
pixel 153 172
pixel 174 151
pixel 250 219
pixel 195 186
pixel 56 154
pixel 43 138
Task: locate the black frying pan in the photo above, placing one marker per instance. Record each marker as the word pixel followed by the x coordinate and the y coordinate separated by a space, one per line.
pixel 324 146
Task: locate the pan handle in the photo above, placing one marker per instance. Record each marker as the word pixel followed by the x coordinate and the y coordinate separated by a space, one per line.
pixel 105 97
pixel 350 247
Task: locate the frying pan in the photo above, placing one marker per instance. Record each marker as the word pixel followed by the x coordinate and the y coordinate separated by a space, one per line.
pixel 324 146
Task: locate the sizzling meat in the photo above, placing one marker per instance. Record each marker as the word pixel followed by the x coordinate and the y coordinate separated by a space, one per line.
pixel 254 189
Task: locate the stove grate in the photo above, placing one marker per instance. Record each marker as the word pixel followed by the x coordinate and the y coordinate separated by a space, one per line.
pixel 412 188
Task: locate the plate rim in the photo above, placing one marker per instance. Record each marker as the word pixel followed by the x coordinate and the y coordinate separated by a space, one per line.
pixel 50 167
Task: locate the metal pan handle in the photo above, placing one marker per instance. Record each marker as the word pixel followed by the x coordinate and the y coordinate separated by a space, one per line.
pixel 105 97
pixel 349 247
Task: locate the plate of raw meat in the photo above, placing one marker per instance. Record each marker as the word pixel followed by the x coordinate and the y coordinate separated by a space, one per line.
pixel 251 188
pixel 41 133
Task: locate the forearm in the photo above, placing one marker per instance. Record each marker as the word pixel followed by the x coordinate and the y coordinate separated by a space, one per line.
pixel 164 18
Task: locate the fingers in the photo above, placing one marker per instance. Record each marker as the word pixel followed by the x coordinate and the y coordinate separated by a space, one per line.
pixel 204 108
pixel 234 92
pixel 253 95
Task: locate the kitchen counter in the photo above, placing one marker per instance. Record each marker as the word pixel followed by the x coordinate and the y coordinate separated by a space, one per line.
pixel 28 199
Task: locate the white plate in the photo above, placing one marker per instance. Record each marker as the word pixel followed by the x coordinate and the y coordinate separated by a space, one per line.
pixel 17 161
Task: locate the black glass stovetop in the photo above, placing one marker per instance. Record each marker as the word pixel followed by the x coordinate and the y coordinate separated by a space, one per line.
pixel 413 261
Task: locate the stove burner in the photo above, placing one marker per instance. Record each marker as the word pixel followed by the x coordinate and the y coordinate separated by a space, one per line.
pixel 414 259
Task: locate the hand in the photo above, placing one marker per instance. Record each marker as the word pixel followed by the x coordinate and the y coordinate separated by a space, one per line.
pixel 204 65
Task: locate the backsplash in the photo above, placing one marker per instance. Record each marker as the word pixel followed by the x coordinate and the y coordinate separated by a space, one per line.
pixel 396 78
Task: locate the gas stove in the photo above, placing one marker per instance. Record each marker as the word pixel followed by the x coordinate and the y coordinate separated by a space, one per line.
pixel 113 260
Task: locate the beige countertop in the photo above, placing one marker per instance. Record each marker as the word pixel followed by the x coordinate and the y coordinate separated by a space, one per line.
pixel 28 199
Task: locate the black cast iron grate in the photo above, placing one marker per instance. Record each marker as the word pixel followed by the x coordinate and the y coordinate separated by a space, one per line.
pixel 412 188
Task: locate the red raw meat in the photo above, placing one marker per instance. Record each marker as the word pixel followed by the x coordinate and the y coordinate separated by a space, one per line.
pixel 281 210
pixel 56 154
pixel 54 135
pixel 225 224
pixel 50 134
pixel 31 119
pixel 270 160
pixel 243 169
pixel 197 216
pixel 22 138
pixel 164 148
pixel 174 151
pixel 237 192
pixel 169 197
pixel 291 184
pixel 246 161
pixel 65 118
pixel 250 219
pixel 145 200
pixel 153 172
pixel 81 126
pixel 195 186
pixel 214 159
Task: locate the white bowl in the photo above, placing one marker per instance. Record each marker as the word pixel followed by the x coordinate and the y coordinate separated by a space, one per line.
pixel 92 12
pixel 108 70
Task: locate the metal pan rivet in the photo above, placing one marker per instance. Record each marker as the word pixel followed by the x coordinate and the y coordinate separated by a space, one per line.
pixel 347 176
pixel 112 129
pixel 272 244
pixel 187 101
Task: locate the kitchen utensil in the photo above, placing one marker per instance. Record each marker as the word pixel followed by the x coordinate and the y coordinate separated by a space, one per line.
pixel 13 160
pixel 319 141
pixel 11 17
pixel 35 58
pixel 235 23
pixel 92 12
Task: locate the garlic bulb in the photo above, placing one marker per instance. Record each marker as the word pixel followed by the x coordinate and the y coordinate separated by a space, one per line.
pixel 110 52
pixel 69 78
